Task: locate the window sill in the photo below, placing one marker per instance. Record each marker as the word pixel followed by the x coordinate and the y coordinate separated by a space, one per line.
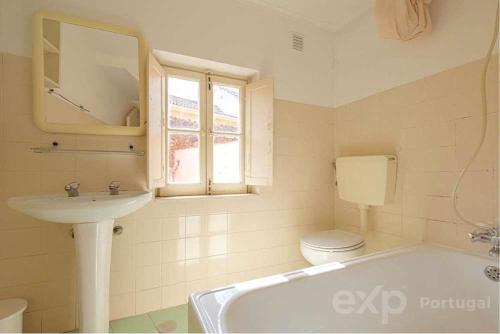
pixel 168 198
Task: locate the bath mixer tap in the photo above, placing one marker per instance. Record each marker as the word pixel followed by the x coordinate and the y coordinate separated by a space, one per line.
pixel 114 188
pixel 489 235
pixel 72 189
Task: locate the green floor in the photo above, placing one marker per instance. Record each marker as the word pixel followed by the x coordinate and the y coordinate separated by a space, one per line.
pixel 170 320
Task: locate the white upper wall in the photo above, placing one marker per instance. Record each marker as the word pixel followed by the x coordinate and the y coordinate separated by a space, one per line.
pixel 365 64
pixel 228 31
pixel 336 68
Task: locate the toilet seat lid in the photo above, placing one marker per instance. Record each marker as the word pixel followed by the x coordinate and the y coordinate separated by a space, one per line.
pixel 9 307
pixel 333 239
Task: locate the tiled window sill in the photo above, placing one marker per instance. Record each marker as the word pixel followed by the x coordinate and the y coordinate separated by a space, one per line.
pixel 167 198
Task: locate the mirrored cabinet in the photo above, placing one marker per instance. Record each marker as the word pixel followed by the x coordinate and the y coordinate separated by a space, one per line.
pixel 89 77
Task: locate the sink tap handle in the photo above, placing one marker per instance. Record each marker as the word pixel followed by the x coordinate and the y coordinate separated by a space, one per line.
pixel 473 237
pixel 72 189
pixel 114 188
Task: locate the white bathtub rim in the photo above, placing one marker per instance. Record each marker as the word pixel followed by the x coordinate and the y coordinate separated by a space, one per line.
pixel 266 282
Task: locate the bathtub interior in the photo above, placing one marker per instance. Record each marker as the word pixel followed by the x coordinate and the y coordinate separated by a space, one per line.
pixel 422 277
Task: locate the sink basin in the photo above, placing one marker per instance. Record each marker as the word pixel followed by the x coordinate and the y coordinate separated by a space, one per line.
pixel 92 216
pixel 86 208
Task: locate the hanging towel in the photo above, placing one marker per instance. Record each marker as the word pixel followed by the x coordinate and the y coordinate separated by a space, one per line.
pixel 402 19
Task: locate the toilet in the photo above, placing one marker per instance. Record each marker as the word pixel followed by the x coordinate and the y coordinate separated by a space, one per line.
pixel 331 246
pixel 366 181
pixel 11 315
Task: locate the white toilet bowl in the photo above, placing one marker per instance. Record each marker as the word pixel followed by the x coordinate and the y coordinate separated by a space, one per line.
pixel 331 246
pixel 11 315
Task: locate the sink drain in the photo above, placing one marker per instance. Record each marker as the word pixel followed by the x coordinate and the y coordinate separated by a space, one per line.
pixel 493 273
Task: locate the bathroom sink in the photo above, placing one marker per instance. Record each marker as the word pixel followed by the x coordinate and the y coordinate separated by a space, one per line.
pixel 92 216
pixel 86 208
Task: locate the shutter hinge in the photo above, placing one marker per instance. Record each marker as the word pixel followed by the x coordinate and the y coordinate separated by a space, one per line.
pixel 210 186
pixel 209 83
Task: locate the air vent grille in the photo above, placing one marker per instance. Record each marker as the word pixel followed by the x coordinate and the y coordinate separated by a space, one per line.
pixel 298 42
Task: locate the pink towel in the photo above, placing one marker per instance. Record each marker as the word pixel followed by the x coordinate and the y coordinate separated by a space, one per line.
pixel 402 19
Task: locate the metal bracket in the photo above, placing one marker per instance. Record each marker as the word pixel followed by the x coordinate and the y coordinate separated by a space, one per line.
pixel 117 230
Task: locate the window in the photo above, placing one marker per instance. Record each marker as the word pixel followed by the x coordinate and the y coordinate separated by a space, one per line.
pixel 205 134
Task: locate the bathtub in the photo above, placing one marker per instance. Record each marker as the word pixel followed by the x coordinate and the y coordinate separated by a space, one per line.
pixel 417 289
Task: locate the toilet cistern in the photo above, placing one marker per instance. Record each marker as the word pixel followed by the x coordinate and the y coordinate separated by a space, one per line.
pixel 366 181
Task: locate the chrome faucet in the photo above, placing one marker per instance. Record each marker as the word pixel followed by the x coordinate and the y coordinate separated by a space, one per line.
pixel 114 188
pixel 489 235
pixel 72 189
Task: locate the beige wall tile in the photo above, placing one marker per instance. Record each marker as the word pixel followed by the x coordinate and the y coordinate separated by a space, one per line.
pixel 173 272
pixel 21 183
pixel 414 228
pixel 148 300
pixel 121 306
pixel 438 118
pixel 428 124
pixel 148 277
pixel 59 293
pixel 173 228
pixel 123 258
pixel 196 269
pixel 206 246
pixel 148 230
pixel 439 208
pixel 148 254
pixel 22 270
pixel 59 266
pixel 123 282
pixel 57 238
pixel 388 223
pixel 59 319
pixel 173 295
pixel 32 322
pixel 174 250
pixel 440 232
pixel 20 242
pixel 468 131
pixel 216 265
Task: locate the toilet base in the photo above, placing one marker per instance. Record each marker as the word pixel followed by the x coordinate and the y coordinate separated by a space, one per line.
pixel 11 315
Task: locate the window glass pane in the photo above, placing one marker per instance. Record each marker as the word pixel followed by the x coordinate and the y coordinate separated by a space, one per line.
pixel 226 108
pixel 183 158
pixel 183 104
pixel 226 159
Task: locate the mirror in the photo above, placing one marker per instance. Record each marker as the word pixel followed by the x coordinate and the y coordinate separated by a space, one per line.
pixel 88 77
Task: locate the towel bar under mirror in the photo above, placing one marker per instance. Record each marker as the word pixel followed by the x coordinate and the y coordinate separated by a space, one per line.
pixel 55 149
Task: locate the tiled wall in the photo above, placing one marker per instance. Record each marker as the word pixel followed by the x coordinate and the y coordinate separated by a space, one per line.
pixel 175 246
pixel 172 246
pixel 432 126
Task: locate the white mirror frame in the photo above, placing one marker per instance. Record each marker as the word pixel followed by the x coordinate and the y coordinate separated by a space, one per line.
pixel 39 87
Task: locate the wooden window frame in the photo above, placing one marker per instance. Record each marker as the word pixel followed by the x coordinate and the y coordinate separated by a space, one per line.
pixel 206 185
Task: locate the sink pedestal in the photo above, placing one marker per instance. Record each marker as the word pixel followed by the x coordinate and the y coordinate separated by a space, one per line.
pixel 93 252
pixel 92 216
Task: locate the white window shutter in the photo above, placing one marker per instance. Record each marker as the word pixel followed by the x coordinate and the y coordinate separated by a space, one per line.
pixel 259 113
pixel 156 124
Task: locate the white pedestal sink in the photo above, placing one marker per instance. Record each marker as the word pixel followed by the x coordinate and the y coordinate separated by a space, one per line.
pixel 92 216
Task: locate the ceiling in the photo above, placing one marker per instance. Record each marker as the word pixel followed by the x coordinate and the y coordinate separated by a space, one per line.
pixel 327 14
